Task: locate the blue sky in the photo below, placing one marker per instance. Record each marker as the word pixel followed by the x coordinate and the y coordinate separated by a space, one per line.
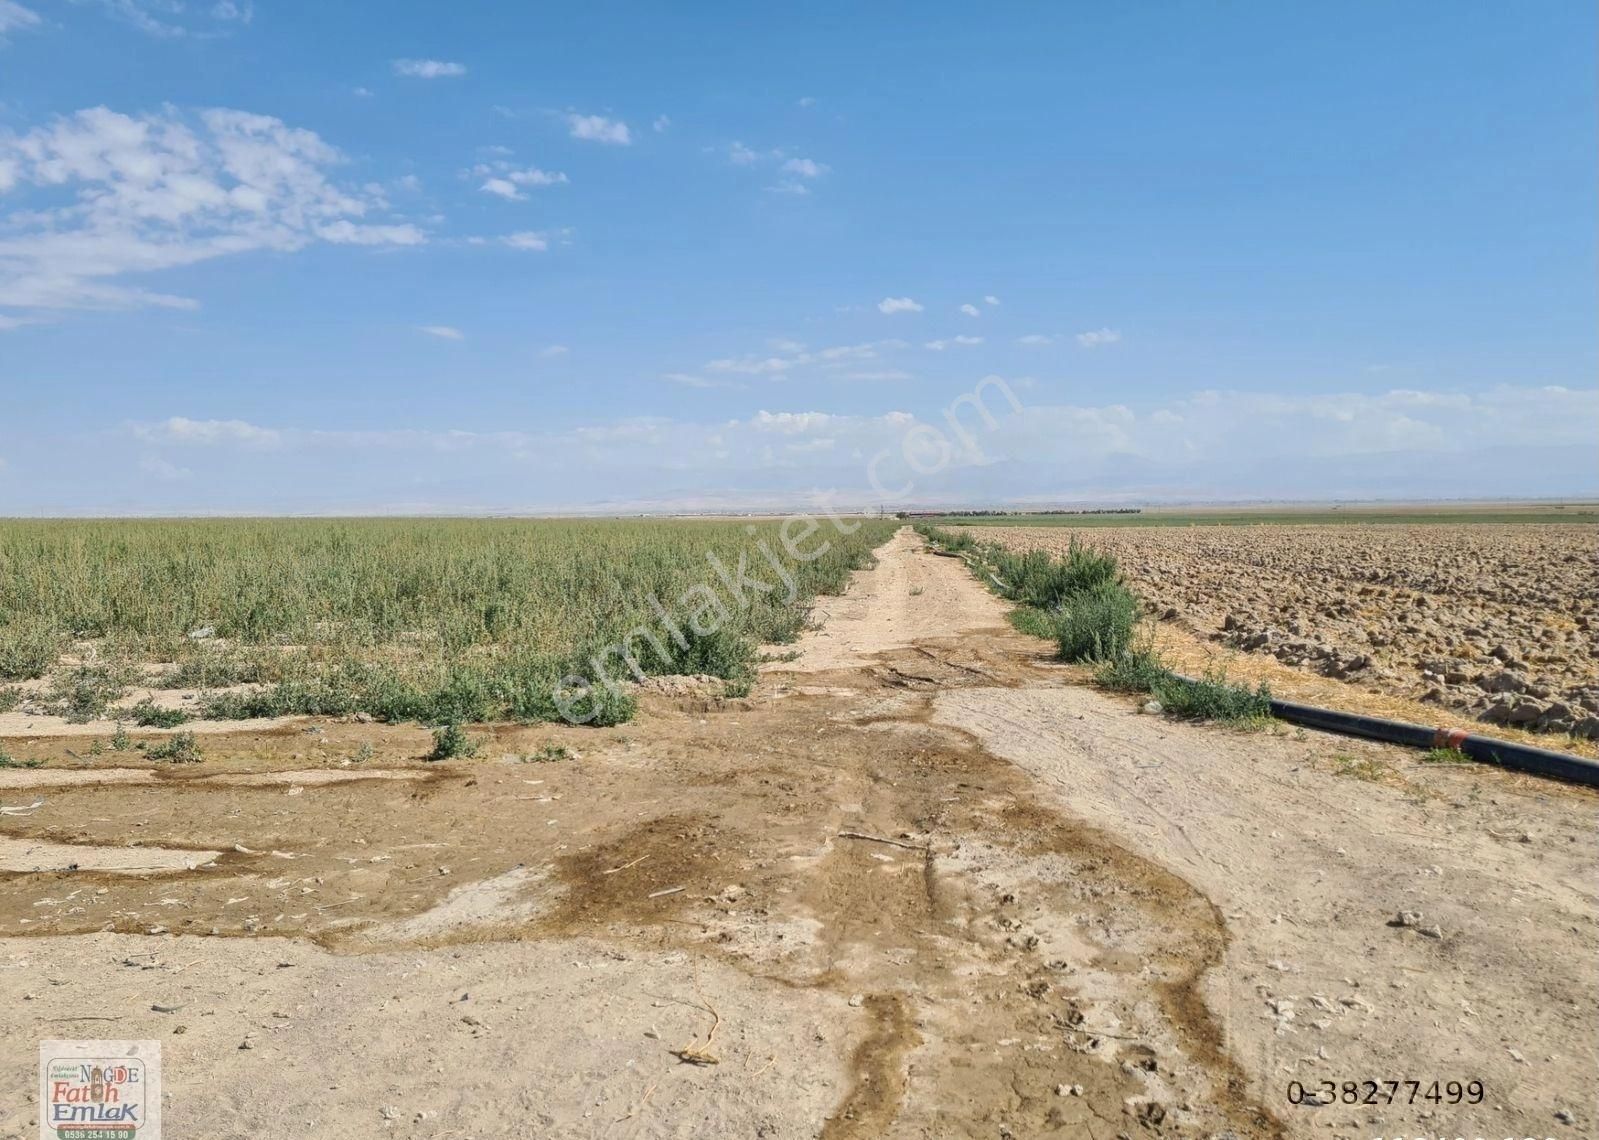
pixel 306 257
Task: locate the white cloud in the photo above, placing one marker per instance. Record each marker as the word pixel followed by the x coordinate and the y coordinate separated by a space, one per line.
pixel 740 155
pixel 550 352
pixel 789 186
pixel 428 68
pixel 752 365
pixel 661 124
pixel 1035 339
pixel 990 300
pixel 16 18
pixel 162 191
pixel 689 380
pixel 941 345
pixel 182 430
pixel 165 470
pixel 1098 338
pixel 887 374
pixel 971 310
pixel 503 188
pixel 346 232
pixel 804 167
pixel 361 92
pixel 528 240
pixel 806 101
pixel 1217 444
pixel 171 19
pixel 898 305
pixel 597 128
pixel 443 332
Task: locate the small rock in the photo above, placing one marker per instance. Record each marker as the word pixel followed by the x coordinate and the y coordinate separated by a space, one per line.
pixel 1565 1116
pixel 1406 918
pixel 1154 708
pixel 857 1000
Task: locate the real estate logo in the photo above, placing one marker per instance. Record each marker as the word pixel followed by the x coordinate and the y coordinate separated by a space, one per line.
pixel 99 1090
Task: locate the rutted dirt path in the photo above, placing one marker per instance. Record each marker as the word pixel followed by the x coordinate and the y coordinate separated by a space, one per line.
pixel 919 884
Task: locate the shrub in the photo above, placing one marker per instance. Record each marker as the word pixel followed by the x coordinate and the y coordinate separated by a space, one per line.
pixel 1213 697
pixel 1034 578
pixel 449 741
pixel 85 692
pixel 27 649
pixel 1097 623
pixel 148 714
pixel 179 748
pixel 1445 756
pixel 10 697
pixel 1138 670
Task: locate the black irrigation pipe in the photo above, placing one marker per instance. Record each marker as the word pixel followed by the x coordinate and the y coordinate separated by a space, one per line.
pixel 1486 749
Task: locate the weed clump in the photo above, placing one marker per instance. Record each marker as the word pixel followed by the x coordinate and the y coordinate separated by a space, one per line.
pixel 450 742
pixel 179 748
pixel 9 761
pixel 148 714
pixel 1096 623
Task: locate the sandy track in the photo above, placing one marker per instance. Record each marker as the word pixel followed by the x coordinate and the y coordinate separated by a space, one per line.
pixel 1063 918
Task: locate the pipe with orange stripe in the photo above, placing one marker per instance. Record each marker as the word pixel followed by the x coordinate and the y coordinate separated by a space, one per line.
pixel 1524 757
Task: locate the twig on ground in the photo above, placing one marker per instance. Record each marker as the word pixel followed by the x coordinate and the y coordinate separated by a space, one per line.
pixel 667 891
pixel 691 1053
pixel 880 839
pixel 625 866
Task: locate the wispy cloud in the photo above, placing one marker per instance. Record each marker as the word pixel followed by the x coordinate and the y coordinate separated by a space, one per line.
pixel 804 167
pixel 428 68
pixel 165 190
pixel 550 352
pixel 531 241
pixel 443 332
pixel 507 181
pixel 661 124
pixel 1033 340
pixel 971 310
pixel 990 300
pixel 1098 338
pixel 171 19
pixel 964 341
pixel 898 305
pixel 16 18
pixel 597 128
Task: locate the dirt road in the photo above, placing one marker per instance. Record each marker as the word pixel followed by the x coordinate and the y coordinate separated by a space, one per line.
pixel 920 883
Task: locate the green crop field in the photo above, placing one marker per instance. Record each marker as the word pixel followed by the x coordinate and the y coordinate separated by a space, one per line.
pixel 414 619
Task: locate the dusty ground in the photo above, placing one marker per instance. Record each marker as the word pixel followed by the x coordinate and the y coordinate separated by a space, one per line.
pixel 921 883
pixel 1496 623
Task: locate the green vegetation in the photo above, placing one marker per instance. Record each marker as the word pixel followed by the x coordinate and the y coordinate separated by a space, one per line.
pixel 1445 756
pixel 9 761
pixel 549 754
pixel 179 748
pixel 1370 770
pixel 147 714
pixel 1081 602
pixel 10 697
pixel 450 741
pixel 433 620
pixel 1576 513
